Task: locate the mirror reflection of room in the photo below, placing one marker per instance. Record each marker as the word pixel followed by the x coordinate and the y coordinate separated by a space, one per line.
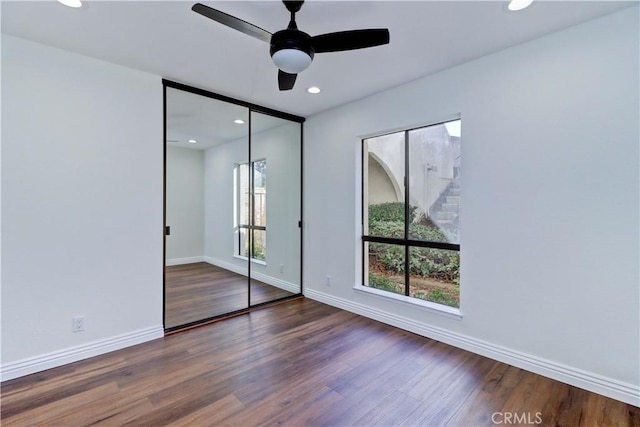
pixel 228 219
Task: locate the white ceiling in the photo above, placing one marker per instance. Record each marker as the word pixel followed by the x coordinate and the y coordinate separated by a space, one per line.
pixel 168 39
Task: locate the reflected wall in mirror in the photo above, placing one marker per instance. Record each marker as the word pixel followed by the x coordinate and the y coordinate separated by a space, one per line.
pixel 232 207
pixel 274 233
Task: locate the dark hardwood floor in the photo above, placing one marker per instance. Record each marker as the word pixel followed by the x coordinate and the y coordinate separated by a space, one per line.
pixel 300 363
pixel 200 290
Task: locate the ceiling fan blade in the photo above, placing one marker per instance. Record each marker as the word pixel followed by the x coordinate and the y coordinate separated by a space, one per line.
pixel 232 22
pixel 286 80
pixel 348 40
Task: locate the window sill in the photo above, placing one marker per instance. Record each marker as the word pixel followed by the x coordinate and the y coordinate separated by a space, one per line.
pixel 255 261
pixel 439 309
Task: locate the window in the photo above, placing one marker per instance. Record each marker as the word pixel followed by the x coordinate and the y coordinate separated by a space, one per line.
pixel 251 196
pixel 411 198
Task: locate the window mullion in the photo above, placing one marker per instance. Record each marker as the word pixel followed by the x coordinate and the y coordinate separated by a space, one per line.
pixel 406 213
pixel 252 204
pixel 249 214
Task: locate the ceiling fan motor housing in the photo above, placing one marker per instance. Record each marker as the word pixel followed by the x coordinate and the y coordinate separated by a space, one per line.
pixel 293 6
pixel 291 50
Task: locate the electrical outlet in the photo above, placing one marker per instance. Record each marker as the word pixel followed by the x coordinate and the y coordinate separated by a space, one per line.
pixel 77 323
pixel 328 281
pixel 281 268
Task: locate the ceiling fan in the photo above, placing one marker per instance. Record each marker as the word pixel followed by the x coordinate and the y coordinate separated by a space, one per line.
pixel 292 50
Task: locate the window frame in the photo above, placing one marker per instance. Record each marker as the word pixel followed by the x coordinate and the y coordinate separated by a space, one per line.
pixel 405 241
pixel 251 227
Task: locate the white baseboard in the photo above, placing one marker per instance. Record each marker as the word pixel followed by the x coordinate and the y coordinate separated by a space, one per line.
pixel 261 277
pixel 287 286
pixel 54 359
pixel 226 265
pixel 182 261
pixel 625 392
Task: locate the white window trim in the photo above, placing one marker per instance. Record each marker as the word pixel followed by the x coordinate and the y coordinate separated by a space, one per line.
pixel 440 309
pixel 253 260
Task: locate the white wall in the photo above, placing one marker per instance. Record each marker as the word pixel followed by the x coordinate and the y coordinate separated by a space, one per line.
pixel 280 146
pixel 549 208
pixel 219 163
pixel 81 206
pixel 185 205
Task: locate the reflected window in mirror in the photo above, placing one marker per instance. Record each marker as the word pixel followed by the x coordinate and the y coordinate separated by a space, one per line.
pixel 251 207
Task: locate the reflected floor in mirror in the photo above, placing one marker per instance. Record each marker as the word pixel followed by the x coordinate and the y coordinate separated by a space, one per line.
pixel 200 290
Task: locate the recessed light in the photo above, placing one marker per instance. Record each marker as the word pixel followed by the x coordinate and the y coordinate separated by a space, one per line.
pixel 71 3
pixel 192 141
pixel 238 121
pixel 519 4
pixel 313 89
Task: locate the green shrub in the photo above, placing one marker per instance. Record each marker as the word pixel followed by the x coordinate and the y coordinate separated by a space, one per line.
pixel 391 256
pixel 387 229
pixel 426 232
pixel 383 283
pixel 417 231
pixel 438 296
pixel 435 263
pixel 391 211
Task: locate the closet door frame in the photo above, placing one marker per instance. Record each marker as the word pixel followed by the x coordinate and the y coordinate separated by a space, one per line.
pixel 251 109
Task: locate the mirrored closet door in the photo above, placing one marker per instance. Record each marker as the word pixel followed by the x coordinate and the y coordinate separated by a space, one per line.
pixel 232 206
pixel 275 232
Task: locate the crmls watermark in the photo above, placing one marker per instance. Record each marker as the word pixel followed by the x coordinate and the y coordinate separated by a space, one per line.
pixel 517 418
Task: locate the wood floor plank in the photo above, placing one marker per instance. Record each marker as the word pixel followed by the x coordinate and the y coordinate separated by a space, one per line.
pixel 284 399
pixel 489 397
pixel 57 411
pixel 433 378
pixel 301 363
pixel 439 408
pixel 35 390
pixel 306 409
pixel 372 373
pixel 390 411
pixel 599 411
pixel 119 414
pixel 212 415
pixel 369 396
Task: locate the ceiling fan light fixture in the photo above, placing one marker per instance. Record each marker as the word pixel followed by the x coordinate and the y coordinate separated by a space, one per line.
pixel 515 5
pixel 71 3
pixel 292 61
